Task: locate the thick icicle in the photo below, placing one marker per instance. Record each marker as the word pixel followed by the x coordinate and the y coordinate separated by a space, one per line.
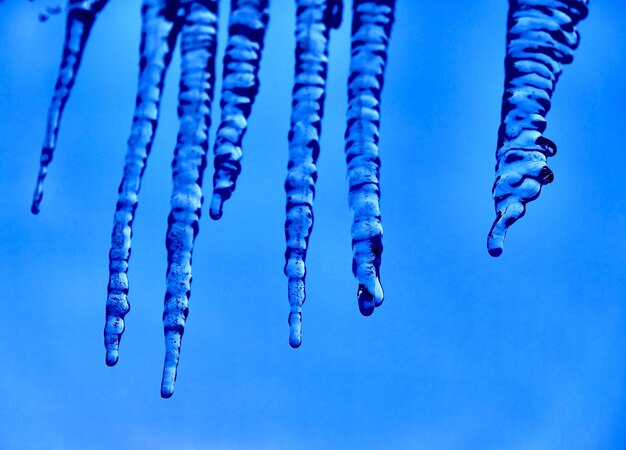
pixel 371 28
pixel 160 27
pixel 81 15
pixel 314 18
pixel 541 38
pixel 240 85
pixel 198 45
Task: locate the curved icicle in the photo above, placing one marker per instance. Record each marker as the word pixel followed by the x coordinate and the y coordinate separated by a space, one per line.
pixel 541 38
pixel 313 23
pixel 198 45
pixel 240 85
pixel 160 27
pixel 81 15
pixel 371 29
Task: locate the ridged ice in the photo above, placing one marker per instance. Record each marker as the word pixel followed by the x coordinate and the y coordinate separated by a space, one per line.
pixel 314 18
pixel 240 85
pixel 541 38
pixel 159 29
pixel 81 15
pixel 371 28
pixel 198 45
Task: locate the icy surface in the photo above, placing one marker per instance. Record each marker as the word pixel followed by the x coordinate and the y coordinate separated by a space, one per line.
pixel 314 18
pixel 81 16
pixel 198 46
pixel 371 28
pixel 160 27
pixel 240 85
pixel 541 38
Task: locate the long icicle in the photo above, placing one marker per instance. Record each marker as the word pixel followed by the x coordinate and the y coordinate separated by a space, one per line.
pixel 240 85
pixel 81 15
pixel 371 28
pixel 159 30
pixel 541 38
pixel 198 46
pixel 314 18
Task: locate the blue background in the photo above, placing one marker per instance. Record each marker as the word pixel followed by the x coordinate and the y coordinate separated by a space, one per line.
pixel 468 352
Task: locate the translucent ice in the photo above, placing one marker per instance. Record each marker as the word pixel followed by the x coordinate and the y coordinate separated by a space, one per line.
pixel 541 38
pixel 240 85
pixel 159 29
pixel 81 15
pixel 314 18
pixel 371 28
pixel 198 46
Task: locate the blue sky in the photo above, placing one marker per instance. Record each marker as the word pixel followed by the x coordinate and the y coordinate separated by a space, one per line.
pixel 468 352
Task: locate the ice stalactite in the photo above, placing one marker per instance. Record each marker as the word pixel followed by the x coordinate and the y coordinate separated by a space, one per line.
pixel 198 47
pixel 159 30
pixel 541 38
pixel 81 16
pixel 371 28
pixel 314 19
pixel 240 85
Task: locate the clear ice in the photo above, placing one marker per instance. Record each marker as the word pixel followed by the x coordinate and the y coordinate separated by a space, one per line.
pixel 240 85
pixel 160 25
pixel 371 28
pixel 81 15
pixel 314 19
pixel 195 22
pixel 198 48
pixel 541 38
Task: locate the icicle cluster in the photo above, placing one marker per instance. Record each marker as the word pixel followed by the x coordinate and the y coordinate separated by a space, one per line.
pixel 314 19
pixel 371 29
pixel 246 35
pixel 541 38
pixel 196 23
pixel 81 15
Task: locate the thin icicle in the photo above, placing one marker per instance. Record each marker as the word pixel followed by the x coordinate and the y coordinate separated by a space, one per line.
pixel 240 85
pixel 198 45
pixel 81 15
pixel 541 38
pixel 371 28
pixel 314 18
pixel 160 27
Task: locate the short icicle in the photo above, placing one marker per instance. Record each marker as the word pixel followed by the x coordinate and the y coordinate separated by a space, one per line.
pixel 81 15
pixel 541 38
pixel 198 45
pixel 371 28
pixel 314 18
pixel 240 85
pixel 160 27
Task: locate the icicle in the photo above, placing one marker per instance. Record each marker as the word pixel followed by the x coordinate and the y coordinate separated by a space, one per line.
pixel 160 27
pixel 198 45
pixel 246 34
pixel 81 16
pixel 314 18
pixel 541 38
pixel 371 29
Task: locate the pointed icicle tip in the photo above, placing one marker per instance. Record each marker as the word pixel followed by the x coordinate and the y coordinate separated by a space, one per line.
pixel 81 16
